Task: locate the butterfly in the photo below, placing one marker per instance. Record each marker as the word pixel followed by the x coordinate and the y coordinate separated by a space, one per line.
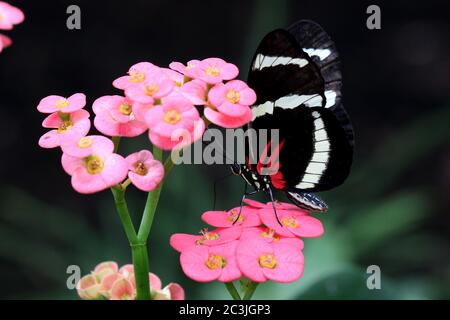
pixel 295 74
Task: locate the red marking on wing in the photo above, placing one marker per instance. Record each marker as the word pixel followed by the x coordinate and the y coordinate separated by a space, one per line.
pixel 272 166
pixel 278 180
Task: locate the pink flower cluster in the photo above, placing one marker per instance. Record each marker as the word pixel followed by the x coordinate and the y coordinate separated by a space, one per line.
pixel 160 100
pixel 9 16
pixel 110 282
pixel 255 245
pixel 165 100
pixel 90 159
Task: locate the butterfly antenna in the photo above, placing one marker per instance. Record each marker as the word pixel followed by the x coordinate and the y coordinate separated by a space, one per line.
pixel 273 205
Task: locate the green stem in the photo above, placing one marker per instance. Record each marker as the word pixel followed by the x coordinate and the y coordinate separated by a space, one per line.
pixel 122 210
pixel 153 198
pixel 232 290
pixel 167 166
pixel 138 242
pixel 116 141
pixel 151 203
pixel 251 287
pixel 140 254
pixel 149 213
pixel 140 263
pixel 138 249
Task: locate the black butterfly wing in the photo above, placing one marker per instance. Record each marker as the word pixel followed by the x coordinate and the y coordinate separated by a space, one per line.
pixel 315 154
pixel 275 72
pixel 292 97
pixel 322 50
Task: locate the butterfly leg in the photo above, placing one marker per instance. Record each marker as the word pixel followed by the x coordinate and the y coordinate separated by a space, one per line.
pixel 244 196
pixel 273 205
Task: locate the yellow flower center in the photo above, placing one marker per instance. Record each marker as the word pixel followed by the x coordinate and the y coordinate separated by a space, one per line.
pixel 151 89
pixel 140 168
pixel 233 215
pixel 94 165
pixel 290 222
pixel 136 76
pixel 62 103
pixel 215 262
pixel 207 236
pixel 64 126
pixel 267 261
pixel 178 83
pixel 125 109
pixel 270 233
pixel 212 71
pixel 85 142
pixel 172 116
pixel 233 96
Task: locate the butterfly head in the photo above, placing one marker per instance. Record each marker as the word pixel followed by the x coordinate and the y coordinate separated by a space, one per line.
pixel 236 169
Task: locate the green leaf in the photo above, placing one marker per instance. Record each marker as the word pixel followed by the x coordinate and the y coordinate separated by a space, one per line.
pixel 379 222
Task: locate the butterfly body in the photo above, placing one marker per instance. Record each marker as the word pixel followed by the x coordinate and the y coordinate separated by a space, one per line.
pixel 295 74
pixel 252 177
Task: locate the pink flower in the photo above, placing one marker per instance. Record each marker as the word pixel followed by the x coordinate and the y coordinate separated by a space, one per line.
pixel 205 263
pixel 185 70
pixel 175 123
pixel 67 127
pixel 260 261
pixel 233 98
pixel 54 103
pixel 145 172
pixel 294 223
pixel 127 271
pixel 98 171
pixel 182 242
pixel 225 121
pixel 86 146
pixel 269 235
pixel 156 86
pixel 122 289
pixel 172 291
pixel 249 217
pixel 89 288
pixel 138 73
pixel 92 286
pixel 4 42
pixel 278 205
pixel 76 157
pixel 107 283
pixel 228 104
pixel 114 117
pixel 195 91
pixel 104 268
pixel 180 137
pixel 176 77
pixel 9 16
pixel 176 291
pixel 140 110
pixel 214 70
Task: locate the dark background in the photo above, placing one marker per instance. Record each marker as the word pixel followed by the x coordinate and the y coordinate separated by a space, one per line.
pixel 393 211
